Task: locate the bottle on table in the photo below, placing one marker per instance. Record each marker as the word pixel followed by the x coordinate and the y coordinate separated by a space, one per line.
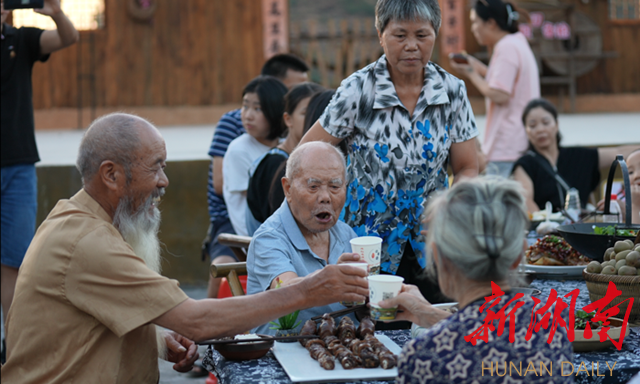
pixel 572 204
pixel 614 211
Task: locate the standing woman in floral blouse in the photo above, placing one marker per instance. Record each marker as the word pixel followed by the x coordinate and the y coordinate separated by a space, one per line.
pixel 404 119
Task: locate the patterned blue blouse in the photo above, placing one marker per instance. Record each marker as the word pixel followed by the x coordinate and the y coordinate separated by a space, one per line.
pixel 396 160
pixel 442 355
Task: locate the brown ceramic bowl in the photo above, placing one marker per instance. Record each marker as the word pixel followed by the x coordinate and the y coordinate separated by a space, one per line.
pixel 245 351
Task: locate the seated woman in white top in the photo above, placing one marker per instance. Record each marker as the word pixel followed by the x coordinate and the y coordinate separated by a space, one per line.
pixel 261 114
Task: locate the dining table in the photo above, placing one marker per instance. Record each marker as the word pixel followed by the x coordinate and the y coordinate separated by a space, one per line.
pixel 268 370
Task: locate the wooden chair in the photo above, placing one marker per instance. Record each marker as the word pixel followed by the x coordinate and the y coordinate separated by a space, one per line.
pixel 231 271
pixel 238 244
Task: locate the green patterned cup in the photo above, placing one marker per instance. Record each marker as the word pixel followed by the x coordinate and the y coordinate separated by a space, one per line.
pixel 382 287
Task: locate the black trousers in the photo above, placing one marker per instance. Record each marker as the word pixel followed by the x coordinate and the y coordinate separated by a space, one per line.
pixel 413 273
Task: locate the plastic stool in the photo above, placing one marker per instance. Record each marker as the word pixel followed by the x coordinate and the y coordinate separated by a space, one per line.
pixel 211 379
pixel 225 291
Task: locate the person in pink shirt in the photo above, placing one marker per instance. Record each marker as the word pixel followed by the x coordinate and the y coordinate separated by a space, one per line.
pixel 508 83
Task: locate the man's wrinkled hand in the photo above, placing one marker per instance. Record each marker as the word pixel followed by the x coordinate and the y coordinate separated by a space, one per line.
pixel 181 351
pixel 335 283
pixel 348 258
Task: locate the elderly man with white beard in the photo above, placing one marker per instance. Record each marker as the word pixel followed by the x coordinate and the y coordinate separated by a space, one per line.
pixel 89 291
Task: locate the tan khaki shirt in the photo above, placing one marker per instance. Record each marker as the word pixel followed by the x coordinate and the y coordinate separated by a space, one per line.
pixel 83 304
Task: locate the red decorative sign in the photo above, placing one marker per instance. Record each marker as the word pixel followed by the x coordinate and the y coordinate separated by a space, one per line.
pixel 452 28
pixel 562 31
pixel 547 30
pixel 536 19
pixel 276 28
pixel 526 30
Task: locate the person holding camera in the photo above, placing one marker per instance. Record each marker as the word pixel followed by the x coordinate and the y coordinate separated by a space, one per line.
pixel 21 48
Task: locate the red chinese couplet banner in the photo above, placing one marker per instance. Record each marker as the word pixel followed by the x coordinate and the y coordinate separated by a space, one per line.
pixel 275 18
pixel 452 30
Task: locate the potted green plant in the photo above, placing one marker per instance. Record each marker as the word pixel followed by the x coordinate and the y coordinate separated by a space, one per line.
pixel 287 325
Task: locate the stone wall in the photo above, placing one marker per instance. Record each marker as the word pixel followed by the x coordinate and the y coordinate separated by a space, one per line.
pixel 185 218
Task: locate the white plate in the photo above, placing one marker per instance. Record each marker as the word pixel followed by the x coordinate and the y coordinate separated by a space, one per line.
pixel 567 270
pixel 301 368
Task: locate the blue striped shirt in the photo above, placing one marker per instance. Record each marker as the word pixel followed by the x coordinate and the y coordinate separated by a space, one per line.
pixel 229 127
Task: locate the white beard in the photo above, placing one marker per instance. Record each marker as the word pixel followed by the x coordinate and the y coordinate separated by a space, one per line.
pixel 140 231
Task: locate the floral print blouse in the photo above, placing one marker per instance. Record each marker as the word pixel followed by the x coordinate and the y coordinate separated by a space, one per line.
pixel 395 161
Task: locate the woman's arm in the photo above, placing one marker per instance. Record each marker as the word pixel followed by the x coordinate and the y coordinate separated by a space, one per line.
pixel 521 176
pixel 415 307
pixel 475 71
pixel 65 33
pixel 606 155
pixel 478 66
pixel 317 133
pixel 464 160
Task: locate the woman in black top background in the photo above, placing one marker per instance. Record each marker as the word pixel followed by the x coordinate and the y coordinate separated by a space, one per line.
pixel 579 167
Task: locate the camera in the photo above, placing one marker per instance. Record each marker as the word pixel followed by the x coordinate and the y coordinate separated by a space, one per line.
pixel 19 4
pixel 459 58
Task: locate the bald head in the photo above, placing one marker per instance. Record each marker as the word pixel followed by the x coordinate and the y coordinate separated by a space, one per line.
pixel 315 151
pixel 114 137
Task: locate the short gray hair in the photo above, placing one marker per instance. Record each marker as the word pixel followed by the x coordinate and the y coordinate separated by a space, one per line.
pixel 405 10
pixel 479 226
pixel 111 137
pixel 293 163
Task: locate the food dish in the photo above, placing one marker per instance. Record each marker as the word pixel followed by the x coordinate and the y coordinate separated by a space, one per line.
pixel 300 367
pixel 345 345
pixel 245 351
pixel 583 239
pixel 554 251
pixel 582 344
pixel 556 271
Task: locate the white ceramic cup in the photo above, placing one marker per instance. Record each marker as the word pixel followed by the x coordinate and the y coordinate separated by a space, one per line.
pixel 369 249
pixel 364 267
pixel 382 287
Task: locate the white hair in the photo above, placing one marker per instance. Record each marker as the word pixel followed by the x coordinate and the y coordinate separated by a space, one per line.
pixel 479 226
pixel 293 163
pixel 405 10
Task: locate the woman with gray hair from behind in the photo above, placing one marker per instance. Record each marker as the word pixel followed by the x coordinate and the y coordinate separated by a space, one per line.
pixel 475 238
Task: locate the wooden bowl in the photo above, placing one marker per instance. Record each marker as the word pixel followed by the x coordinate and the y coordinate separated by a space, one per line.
pixel 245 350
pixel 597 285
pixel 582 344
